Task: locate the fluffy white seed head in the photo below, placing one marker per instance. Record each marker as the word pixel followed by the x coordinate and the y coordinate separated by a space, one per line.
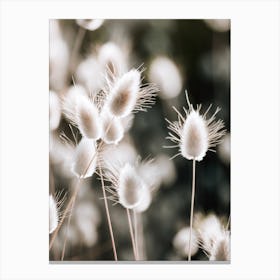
pixel 220 250
pixel 88 119
pixel 90 24
pixel 89 74
pixel 165 73
pixel 70 101
pixel 195 134
pixel 181 242
pixel 145 202
pixel 125 153
pixel 130 187
pixel 53 214
pixel 150 174
pixel 61 155
pixel 123 96
pixel 194 137
pixel 84 162
pixel 213 237
pixel 113 130
pixel 224 149
pixel 55 110
pixel 210 228
pixel 112 58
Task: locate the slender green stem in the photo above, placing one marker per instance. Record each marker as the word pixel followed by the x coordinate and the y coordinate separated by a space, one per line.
pixel 108 214
pixel 192 206
pixel 131 234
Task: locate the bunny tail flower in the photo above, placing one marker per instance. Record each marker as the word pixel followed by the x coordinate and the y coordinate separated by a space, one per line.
pixel 128 95
pixel 194 134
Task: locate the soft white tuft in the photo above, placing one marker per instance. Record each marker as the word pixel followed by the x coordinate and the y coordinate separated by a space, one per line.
pixel 89 74
pixel 70 101
pixel 112 58
pixel 150 173
pixel 214 238
pixel 130 187
pixel 61 155
pixel 113 130
pixel 220 250
pixel 90 24
pixel 125 153
pixel 53 214
pixel 224 149
pixel 84 162
pixel 88 120
pixel 194 137
pixel 181 242
pixel 123 96
pixel 55 110
pixel 145 202
pixel 165 73
pixel 209 228
pixel 195 134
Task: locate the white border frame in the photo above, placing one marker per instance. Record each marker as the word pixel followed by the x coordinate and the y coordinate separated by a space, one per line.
pixel 254 130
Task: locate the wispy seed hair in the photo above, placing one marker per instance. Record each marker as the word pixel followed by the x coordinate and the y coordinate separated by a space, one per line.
pixel 123 96
pixel 127 188
pixel 128 95
pixel 55 213
pixel 194 134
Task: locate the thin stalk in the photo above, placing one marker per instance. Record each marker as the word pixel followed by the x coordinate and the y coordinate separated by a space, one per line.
pixel 65 240
pixel 108 214
pixel 70 205
pixel 69 218
pixel 140 232
pixel 131 234
pixel 73 198
pixel 192 206
pixel 105 201
pixel 65 212
pixel 136 233
pixel 228 223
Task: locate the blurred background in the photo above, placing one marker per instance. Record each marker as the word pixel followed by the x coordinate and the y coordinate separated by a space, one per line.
pixel 177 55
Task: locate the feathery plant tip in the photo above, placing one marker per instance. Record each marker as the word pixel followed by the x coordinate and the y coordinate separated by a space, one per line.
pixel 194 134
